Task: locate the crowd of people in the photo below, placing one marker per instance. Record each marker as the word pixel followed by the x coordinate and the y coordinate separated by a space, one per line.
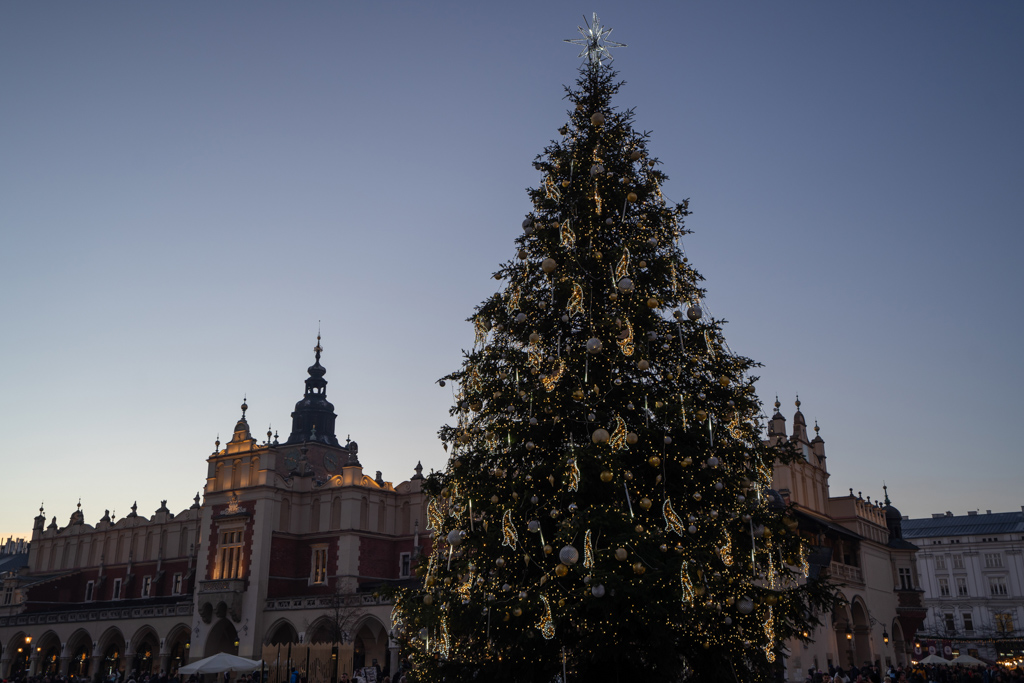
pixel 918 673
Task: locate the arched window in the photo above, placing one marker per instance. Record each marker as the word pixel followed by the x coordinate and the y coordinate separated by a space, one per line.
pixel 364 515
pixel 218 477
pixel 286 515
pixel 254 471
pixel 336 513
pixel 382 517
pixel 314 516
pixel 236 474
pixel 404 528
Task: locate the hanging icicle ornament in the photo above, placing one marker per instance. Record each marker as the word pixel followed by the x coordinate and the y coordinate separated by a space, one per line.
pixel 672 521
pixel 546 625
pixel 626 342
pixel 509 531
pixel 480 329
pixel 686 584
pixel 576 300
pixel 574 475
pixel 588 551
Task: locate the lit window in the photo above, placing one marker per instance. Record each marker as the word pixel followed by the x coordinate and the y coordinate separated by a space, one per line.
pixel 405 565
pixel 8 595
pixel 176 584
pixel 229 555
pixel 147 586
pixel 1004 623
pixel 944 587
pixel 319 564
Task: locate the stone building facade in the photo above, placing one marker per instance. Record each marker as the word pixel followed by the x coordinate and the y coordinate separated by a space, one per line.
pixel 280 559
pixel 859 544
pixel 972 571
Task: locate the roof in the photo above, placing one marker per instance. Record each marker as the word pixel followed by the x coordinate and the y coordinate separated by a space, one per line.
pixel 965 525
pixel 11 563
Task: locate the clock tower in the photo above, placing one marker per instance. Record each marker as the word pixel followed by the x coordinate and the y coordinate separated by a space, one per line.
pixel 313 418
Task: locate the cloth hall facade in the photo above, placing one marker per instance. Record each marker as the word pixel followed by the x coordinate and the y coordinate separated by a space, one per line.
pixel 280 559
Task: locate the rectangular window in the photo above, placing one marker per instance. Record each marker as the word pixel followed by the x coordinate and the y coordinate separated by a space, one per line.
pixel 905 580
pixel 958 562
pixel 961 586
pixel 944 587
pixel 8 595
pixel 405 565
pixel 147 586
pixel 1004 623
pixel 176 584
pixel 229 555
pixel 950 622
pixel 968 621
pixel 319 564
pixel 996 585
pixel 88 591
pixel 116 594
pixel 993 560
pixel 940 562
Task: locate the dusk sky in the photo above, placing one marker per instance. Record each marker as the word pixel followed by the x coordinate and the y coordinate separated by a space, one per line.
pixel 187 188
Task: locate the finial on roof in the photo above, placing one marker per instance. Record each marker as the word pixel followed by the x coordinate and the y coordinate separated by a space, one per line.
pixel 40 507
pixel 886 490
pixel 318 349
pixel 419 470
pixel 777 404
pixel 816 428
pixel 216 445
pixel 798 401
pixel 851 492
pixel 275 437
pixel 270 433
pixel 245 407
pixel 79 503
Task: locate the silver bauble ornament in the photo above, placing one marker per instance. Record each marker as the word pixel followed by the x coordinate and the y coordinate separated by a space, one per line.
pixel 548 265
pixel 626 285
pixel 745 605
pixel 568 555
pixel 594 345
pixel 694 312
pixel 454 538
pixel 597 591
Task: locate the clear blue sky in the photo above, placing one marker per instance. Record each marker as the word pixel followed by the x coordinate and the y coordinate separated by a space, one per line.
pixel 187 188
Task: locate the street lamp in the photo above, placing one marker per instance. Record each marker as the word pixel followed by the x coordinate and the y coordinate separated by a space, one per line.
pixel 885 636
pixel 849 633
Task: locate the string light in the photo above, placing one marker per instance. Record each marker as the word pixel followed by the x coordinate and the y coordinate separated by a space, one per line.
pixel 672 521
pixel 509 531
pixel 618 438
pixel 546 625
pixel 588 551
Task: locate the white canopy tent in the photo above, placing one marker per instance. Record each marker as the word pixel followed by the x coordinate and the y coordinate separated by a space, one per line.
pixel 967 660
pixel 220 663
pixel 935 659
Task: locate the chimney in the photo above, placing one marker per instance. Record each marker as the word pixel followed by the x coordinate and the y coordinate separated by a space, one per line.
pixel 971 513
pixel 948 513
pixel 988 512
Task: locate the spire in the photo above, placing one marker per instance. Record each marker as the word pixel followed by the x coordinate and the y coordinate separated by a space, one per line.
pixel 313 418
pixel 886 490
pixel 777 425
pixel 242 426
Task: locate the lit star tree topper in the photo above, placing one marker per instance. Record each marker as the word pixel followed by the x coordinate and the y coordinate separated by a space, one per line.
pixel 595 41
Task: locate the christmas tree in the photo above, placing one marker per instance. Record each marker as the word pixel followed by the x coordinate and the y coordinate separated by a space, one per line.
pixel 605 511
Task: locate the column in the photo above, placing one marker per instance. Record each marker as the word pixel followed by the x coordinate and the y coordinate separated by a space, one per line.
pixel 96 661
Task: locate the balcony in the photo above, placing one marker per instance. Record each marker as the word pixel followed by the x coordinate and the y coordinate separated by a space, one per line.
pixel 222 586
pixel 846 573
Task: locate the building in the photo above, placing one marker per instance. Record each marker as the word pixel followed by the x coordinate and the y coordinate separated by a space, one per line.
pixel 859 545
pixel 972 570
pixel 281 560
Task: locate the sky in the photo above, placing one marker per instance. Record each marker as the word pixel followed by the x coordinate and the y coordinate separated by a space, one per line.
pixel 188 189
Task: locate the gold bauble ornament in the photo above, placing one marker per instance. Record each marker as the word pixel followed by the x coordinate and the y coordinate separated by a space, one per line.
pixel 632 438
pixel 702 415
pixel 561 570
pixel 606 476
pixel 430 581
pixel 643 365
pixel 654 461
pixel 663 548
pixel 646 503
pixel 565 183
pixel 687 461
pixel 517 612
pixel 494 500
pixel 506 617
pixel 561 602
pixel 578 394
pixel 643 264
pixel 658 404
pixel 548 549
pixel 534 337
pixel 621 554
pixel 614 296
pixel 723 380
pixel 428 599
pixel 597 118
pixel 600 435
pixel 635 155
pixel 548 265
pixel 639 568
pixel 631 197
pixel 579 106
pixel 652 303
